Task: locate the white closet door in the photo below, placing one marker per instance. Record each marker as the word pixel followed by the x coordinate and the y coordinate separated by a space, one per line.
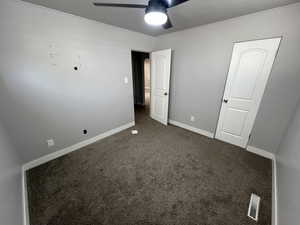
pixel 248 74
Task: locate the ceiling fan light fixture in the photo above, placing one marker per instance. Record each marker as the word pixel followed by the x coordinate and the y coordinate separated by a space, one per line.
pixel 156 18
pixel 156 11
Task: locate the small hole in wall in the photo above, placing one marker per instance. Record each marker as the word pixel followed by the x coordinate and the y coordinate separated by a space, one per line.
pixel 84 131
pixel 75 68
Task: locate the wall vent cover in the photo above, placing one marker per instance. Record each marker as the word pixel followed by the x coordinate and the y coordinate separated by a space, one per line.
pixel 254 207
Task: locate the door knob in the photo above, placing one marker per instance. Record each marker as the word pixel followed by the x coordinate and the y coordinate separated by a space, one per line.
pixel 165 93
pixel 225 100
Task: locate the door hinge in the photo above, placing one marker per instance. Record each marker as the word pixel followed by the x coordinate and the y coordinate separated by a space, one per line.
pixel 250 136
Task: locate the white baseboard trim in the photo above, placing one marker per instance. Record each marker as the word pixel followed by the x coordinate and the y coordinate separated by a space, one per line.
pixel 75 147
pixel 271 156
pixel 193 129
pixel 55 155
pixel 24 198
pixel 260 152
pixel 275 193
pixel 82 144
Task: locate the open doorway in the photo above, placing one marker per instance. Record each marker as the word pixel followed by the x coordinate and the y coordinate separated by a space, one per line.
pixel 151 84
pixel 141 82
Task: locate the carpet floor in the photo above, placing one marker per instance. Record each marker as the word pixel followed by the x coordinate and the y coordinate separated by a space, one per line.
pixel 165 175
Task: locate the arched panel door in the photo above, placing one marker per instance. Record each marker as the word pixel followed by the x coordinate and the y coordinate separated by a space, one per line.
pixel 248 75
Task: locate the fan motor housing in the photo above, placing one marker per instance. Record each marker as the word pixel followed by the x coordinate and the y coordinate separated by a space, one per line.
pixel 156 6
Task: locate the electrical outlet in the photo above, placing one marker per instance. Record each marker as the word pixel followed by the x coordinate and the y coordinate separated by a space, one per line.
pixel 192 118
pixel 50 143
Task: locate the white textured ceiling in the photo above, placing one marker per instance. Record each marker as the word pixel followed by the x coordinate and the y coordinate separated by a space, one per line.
pixel 187 15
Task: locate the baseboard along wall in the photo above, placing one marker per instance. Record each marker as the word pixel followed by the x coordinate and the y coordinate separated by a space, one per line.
pixel 82 144
pixel 193 129
pixel 75 147
pixel 58 154
pixel 255 150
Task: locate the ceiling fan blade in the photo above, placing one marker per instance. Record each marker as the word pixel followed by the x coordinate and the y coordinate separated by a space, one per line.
pixel 120 5
pixel 168 24
pixel 173 3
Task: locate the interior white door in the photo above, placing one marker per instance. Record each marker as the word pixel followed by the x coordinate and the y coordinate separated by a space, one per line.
pixel 250 67
pixel 160 85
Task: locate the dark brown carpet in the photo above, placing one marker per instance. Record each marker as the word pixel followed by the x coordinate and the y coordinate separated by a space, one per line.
pixel 162 176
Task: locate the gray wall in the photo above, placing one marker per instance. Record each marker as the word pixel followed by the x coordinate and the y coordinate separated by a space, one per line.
pixel 42 96
pixel 288 164
pixel 10 182
pixel 201 59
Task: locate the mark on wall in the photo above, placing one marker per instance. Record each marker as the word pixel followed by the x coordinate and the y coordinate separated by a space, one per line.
pixel 53 54
pixel 77 63
pixel 65 57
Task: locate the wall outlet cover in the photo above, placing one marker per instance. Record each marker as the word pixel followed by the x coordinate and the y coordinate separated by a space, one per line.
pixel 192 118
pixel 50 143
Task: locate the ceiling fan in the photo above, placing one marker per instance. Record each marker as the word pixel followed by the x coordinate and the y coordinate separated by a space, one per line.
pixel 156 12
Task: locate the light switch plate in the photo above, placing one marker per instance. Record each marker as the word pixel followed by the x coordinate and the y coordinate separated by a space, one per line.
pixel 126 80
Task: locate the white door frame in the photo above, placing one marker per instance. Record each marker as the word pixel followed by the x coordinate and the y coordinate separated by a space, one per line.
pixel 151 79
pixel 225 84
